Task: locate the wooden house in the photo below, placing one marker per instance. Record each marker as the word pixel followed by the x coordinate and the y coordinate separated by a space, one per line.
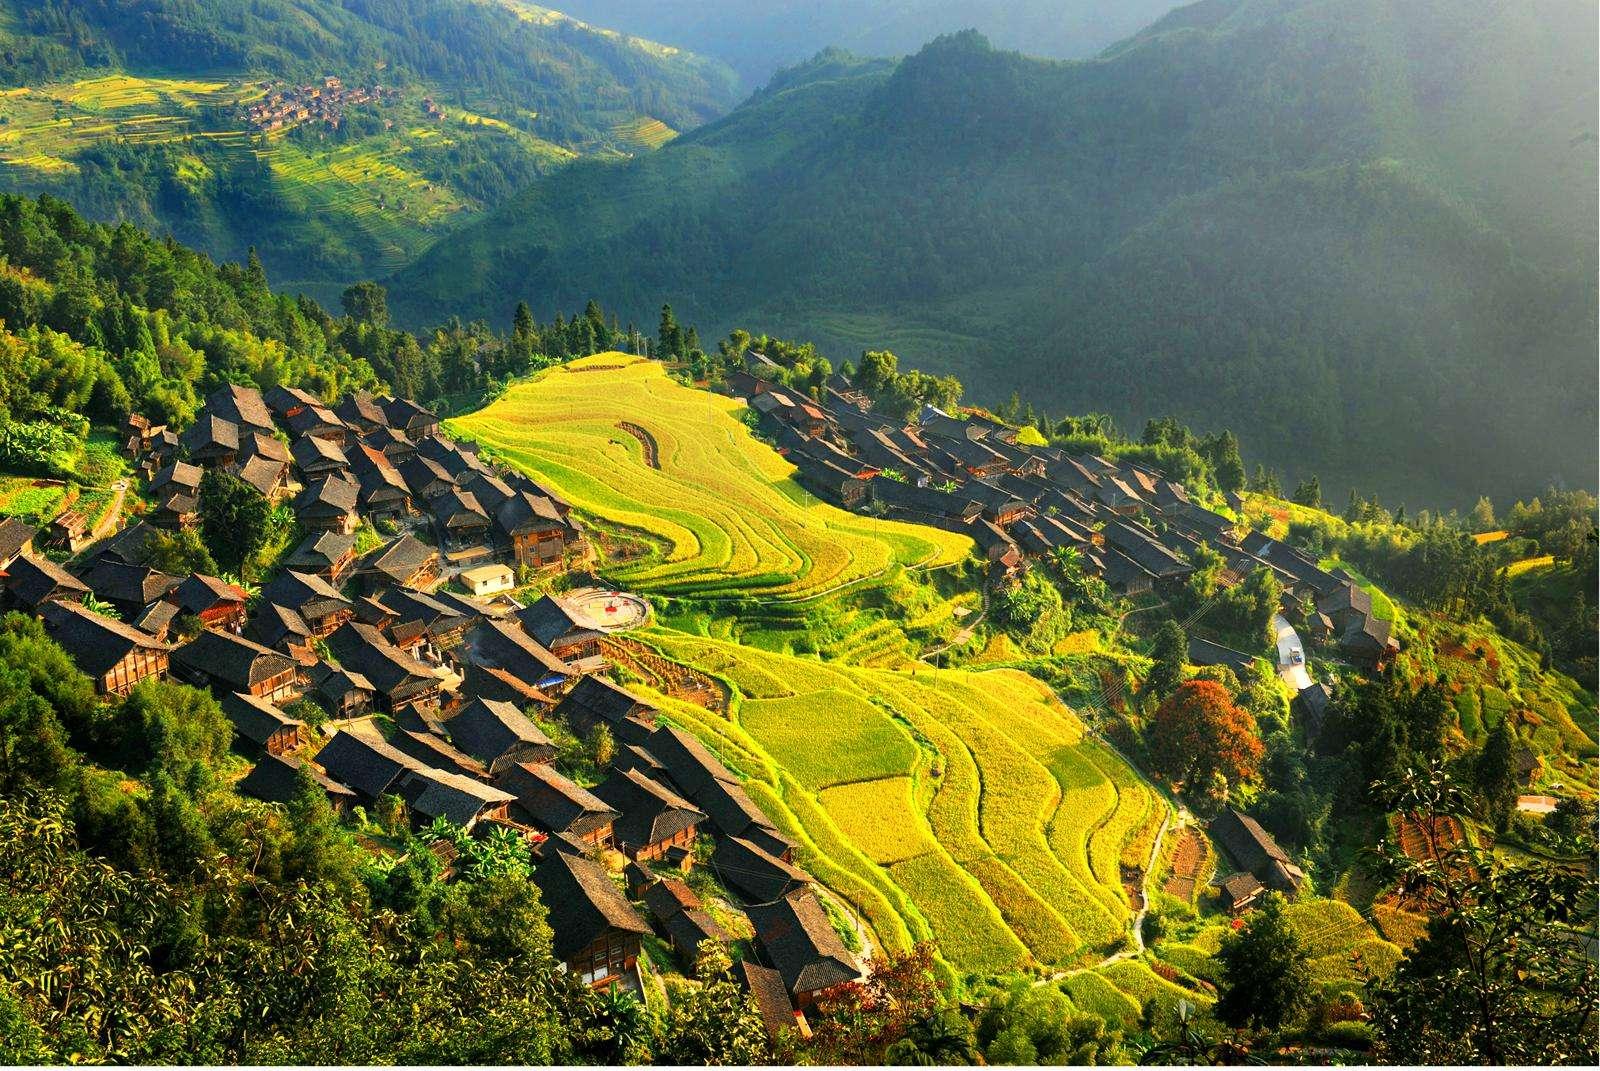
pixel 436 753
pixel 398 680
pixel 681 919
pixel 262 726
pixel 557 805
pixel 217 603
pixel 754 872
pixel 318 422
pixel 274 779
pixel 317 602
pixel 268 477
pixel 344 693
pixel 176 476
pixel 431 793
pixel 405 415
pixel 567 635
pixel 425 478
pixel 800 942
pixel 1239 892
pixel 69 530
pixel 285 402
pixel 405 562
pixel 329 505
pixel 127 588
pixel 767 992
pixel 176 510
pixel 462 518
pixel 498 735
pixel 502 645
pixel 211 441
pixel 384 495
pixel 116 656
pixel 226 663
pixel 597 701
pixel 365 763
pixel 361 411
pixel 532 530
pixel 315 456
pixel 243 407
pixel 1252 848
pixel 327 555
pixel 595 932
pixel 31 582
pixel 653 818
pixel 282 629
pixel 266 446
pixel 16 540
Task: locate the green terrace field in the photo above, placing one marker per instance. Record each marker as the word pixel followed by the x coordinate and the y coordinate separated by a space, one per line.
pixel 969 808
pixel 721 511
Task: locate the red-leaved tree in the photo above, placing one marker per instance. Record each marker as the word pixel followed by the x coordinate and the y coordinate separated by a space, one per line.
pixel 1199 731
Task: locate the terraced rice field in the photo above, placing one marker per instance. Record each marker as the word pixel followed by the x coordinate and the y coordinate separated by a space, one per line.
pixel 722 508
pixel 965 807
pixel 644 132
pixel 45 126
pixel 1341 943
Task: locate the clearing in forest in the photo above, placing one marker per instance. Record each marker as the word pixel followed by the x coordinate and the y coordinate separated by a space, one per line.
pixel 721 507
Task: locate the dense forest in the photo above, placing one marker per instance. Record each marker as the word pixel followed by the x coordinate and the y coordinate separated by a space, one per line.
pixel 1366 232
pixel 756 37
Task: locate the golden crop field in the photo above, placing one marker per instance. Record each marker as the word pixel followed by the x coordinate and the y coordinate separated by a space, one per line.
pixel 723 508
pixel 965 807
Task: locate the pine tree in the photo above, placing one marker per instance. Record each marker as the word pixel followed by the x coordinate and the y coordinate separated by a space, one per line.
pixel 669 337
pixel 1496 774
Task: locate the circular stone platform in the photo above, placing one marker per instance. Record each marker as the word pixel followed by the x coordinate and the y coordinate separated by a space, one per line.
pixel 607 610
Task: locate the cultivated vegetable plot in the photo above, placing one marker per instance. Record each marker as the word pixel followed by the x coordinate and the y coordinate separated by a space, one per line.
pixel 966 807
pixel 722 507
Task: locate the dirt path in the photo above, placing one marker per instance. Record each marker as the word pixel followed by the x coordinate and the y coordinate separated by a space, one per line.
pixel 652 454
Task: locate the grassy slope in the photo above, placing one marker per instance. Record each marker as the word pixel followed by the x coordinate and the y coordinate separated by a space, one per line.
pixel 722 505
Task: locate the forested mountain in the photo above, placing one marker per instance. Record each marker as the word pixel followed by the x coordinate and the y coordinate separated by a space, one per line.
pixel 756 37
pixel 187 116
pixel 1364 231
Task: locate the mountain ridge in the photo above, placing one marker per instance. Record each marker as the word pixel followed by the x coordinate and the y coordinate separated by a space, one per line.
pixel 967 193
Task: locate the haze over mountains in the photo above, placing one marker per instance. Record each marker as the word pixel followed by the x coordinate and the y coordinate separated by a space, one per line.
pixel 757 37
pixel 1361 233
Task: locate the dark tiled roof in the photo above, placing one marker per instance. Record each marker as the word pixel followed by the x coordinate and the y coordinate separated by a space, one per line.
pixel 503 645
pixel 95 643
pixel 255 719
pixel 233 660
pixel 690 763
pixel 554 802
pixel 33 581
pixel 14 535
pixel 435 793
pixel 156 618
pixel 1254 849
pixel 177 474
pixel 364 649
pixel 771 997
pixel 422 474
pixel 209 431
pixel 549 619
pixel 433 751
pixel 651 813
pixel 270 447
pixel 583 902
pixel 596 698
pixel 305 593
pixel 798 938
pixel 240 405
pixel 400 559
pixel 758 874
pixel 1203 652
pixel 273 625
pixel 313 453
pixel 201 592
pixel 688 930
pixel 127 585
pixel 260 473
pixel 312 419
pixel 361 407
pixel 319 551
pixel 488 730
pixel 667 897
pixel 273 780
pixel 330 494
pixel 369 766
pixel 460 509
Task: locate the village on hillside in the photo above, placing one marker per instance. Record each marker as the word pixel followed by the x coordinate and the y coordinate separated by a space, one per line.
pixel 432 681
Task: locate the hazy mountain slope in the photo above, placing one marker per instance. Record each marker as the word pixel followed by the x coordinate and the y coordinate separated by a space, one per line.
pixel 756 37
pixel 1285 215
pixel 134 109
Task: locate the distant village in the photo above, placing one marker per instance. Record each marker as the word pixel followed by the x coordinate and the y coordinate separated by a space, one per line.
pixel 285 106
pixel 427 691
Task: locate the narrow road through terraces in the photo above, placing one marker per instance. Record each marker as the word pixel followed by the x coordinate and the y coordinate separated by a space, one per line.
pixel 1293 673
